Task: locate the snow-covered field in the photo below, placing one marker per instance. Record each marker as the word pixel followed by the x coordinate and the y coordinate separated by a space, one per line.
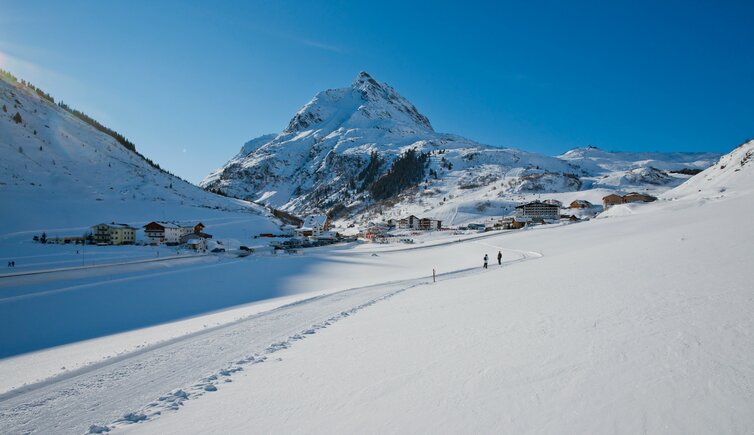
pixel 638 322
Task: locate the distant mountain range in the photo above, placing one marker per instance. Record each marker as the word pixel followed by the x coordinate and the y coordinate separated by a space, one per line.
pixel 364 151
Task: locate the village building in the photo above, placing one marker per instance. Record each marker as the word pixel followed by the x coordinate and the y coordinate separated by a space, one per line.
pixel 313 226
pixel 409 223
pixel 303 232
pixel 638 197
pixel 329 236
pixel 490 224
pixel 101 233
pixel 520 222
pixel 374 231
pixel 428 224
pixel 581 203
pixel 611 200
pixel 538 210
pixel 504 223
pixel 166 232
pixel 121 234
pixel 198 244
pixel 65 240
pixel 113 234
pixel 184 239
pixel 414 223
pixel 512 222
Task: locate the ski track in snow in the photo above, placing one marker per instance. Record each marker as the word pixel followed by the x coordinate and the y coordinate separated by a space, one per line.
pixel 141 385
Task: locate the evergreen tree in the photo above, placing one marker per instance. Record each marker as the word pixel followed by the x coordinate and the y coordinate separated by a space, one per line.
pixel 17 118
pixel 406 171
pixel 369 174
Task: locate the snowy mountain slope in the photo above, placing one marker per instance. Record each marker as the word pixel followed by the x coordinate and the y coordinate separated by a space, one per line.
pixel 59 172
pixel 595 161
pixel 254 144
pixel 324 162
pixel 733 174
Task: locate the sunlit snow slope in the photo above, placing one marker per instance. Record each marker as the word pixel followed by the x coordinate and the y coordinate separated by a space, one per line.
pixel 58 172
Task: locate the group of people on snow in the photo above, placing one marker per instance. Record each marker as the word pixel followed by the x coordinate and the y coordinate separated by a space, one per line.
pixel 11 264
pixel 499 259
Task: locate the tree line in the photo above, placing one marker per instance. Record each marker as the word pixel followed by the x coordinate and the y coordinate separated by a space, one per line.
pixel 407 171
pixel 121 139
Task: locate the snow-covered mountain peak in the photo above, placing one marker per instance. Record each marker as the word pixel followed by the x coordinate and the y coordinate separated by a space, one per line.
pixel 365 103
pixel 382 100
pixel 364 79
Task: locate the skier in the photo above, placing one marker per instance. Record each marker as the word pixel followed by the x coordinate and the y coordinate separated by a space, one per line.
pixel 485 260
pixel 499 258
pixel 13 263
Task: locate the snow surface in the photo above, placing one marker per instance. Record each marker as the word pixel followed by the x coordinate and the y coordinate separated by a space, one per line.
pixel 634 325
pixel 638 323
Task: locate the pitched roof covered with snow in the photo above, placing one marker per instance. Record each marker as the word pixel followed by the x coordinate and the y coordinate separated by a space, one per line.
pixel 315 221
pixel 115 225
pixel 540 203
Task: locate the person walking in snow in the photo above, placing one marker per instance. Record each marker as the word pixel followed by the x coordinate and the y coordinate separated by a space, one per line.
pixel 499 258
pixel 485 260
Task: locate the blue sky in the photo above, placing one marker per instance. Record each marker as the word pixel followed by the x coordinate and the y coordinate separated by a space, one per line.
pixel 190 82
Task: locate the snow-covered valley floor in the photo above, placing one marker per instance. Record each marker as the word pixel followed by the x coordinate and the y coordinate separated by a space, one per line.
pixel 638 324
pixel 631 324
